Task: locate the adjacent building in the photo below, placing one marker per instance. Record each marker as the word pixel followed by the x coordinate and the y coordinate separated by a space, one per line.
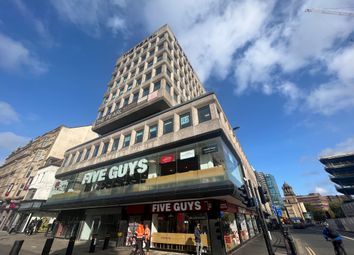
pixel 166 156
pixel 294 210
pixel 315 200
pixel 269 184
pixel 341 170
pixel 19 169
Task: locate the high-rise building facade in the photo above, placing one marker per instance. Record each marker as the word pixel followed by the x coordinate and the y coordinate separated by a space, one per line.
pixel 166 157
pixel 20 167
pixel 270 185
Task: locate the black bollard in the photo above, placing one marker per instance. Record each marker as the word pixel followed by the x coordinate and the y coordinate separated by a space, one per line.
pixel 70 248
pixel 93 244
pixel 106 242
pixel 15 250
pixel 47 246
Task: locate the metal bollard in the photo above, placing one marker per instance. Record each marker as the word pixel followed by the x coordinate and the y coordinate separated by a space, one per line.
pixel 292 245
pixel 93 244
pixel 47 246
pixel 70 248
pixel 106 242
pixel 15 250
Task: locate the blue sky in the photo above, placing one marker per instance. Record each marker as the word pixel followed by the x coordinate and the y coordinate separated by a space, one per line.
pixel 284 76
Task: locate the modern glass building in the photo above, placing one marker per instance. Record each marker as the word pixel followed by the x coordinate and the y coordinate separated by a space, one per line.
pixel 166 156
pixel 273 190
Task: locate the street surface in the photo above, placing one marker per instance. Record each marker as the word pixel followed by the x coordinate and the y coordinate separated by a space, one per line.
pixel 313 243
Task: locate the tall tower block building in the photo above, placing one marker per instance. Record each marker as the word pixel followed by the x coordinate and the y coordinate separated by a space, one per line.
pixel 166 157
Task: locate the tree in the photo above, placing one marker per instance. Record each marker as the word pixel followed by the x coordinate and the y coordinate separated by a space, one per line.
pixel 317 214
pixel 337 209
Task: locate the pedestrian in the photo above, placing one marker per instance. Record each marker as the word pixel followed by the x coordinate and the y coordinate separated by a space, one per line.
pixel 197 238
pixel 332 235
pixel 147 234
pixel 139 239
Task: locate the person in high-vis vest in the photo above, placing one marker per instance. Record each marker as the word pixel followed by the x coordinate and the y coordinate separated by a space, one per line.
pixel 139 239
pixel 147 235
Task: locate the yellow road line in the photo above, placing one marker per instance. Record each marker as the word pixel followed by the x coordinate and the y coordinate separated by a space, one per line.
pixel 309 250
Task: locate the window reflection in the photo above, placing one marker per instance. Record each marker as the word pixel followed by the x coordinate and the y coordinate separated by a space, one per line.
pixel 203 162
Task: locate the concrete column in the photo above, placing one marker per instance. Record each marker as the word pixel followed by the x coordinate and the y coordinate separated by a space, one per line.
pixel 121 141
pixel 194 114
pixel 133 136
pixel 146 133
pixel 159 128
pixel 175 122
pixel 213 111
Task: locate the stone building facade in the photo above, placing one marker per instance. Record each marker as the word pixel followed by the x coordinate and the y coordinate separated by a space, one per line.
pixel 20 167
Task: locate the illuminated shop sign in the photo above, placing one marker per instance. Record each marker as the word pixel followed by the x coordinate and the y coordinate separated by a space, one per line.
pixel 187 154
pixel 116 171
pixel 167 158
pixel 181 206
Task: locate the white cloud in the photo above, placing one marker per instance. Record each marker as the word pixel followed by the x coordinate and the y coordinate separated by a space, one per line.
pixel 91 15
pixel 15 56
pixel 116 24
pixel 211 32
pixel 8 114
pixel 342 147
pixel 321 190
pixel 10 141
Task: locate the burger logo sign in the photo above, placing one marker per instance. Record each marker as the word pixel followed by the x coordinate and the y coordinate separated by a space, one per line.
pixel 133 169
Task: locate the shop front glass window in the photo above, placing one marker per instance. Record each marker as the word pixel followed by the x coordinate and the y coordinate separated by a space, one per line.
pixel 241 221
pixel 233 167
pixel 230 231
pixel 193 164
pixel 250 225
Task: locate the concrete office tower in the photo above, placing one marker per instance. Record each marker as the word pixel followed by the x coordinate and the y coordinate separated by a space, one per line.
pixel 20 167
pixel 153 76
pixel 167 157
pixel 341 170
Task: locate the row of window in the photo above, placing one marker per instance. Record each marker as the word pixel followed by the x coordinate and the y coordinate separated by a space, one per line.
pixel 135 96
pixel 189 79
pixel 185 121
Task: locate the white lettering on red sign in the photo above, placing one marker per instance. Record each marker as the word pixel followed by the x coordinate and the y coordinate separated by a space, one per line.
pixel 177 206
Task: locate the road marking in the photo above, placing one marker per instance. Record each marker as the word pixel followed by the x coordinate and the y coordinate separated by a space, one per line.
pixel 349 238
pixel 309 250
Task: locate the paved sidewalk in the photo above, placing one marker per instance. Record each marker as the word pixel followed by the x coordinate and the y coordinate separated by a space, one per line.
pixel 34 244
pixel 257 245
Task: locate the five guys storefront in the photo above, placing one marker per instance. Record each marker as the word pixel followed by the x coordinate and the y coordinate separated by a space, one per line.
pixel 171 189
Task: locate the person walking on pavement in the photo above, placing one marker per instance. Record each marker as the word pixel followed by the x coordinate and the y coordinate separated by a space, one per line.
pixel 139 239
pixel 197 239
pixel 331 235
pixel 147 234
